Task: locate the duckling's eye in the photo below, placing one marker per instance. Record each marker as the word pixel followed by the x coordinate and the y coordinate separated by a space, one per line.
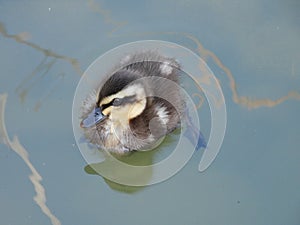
pixel 117 102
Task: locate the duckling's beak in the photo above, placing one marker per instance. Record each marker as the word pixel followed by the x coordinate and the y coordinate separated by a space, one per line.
pixel 93 118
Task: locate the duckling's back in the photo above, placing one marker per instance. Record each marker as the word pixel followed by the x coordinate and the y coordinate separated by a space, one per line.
pixel 152 63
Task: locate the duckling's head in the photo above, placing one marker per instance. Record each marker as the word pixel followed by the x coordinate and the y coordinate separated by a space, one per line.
pixel 122 98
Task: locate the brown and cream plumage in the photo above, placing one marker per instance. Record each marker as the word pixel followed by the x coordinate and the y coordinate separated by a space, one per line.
pixel 136 105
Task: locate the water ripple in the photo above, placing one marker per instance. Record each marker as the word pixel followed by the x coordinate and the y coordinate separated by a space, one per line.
pixel 35 177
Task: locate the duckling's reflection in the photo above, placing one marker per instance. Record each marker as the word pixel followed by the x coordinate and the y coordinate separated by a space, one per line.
pixel 143 175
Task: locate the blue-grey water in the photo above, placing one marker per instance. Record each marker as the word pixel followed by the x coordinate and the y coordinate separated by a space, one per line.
pixel 253 49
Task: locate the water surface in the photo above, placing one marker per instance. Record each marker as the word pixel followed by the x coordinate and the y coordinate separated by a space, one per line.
pixel 252 48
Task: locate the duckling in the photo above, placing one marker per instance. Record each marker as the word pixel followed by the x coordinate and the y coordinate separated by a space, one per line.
pixel 135 106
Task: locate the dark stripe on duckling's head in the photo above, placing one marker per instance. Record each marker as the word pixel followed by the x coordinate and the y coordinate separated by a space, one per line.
pixel 119 101
pixel 116 83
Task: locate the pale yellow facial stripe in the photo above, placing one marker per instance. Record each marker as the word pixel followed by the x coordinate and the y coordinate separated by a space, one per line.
pixel 137 109
pixel 108 99
pixel 136 89
pixel 107 111
pixel 126 112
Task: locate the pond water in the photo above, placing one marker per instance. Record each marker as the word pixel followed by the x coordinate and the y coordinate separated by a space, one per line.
pixel 252 48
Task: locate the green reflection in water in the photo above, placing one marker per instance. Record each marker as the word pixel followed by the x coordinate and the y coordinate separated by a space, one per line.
pixel 135 159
